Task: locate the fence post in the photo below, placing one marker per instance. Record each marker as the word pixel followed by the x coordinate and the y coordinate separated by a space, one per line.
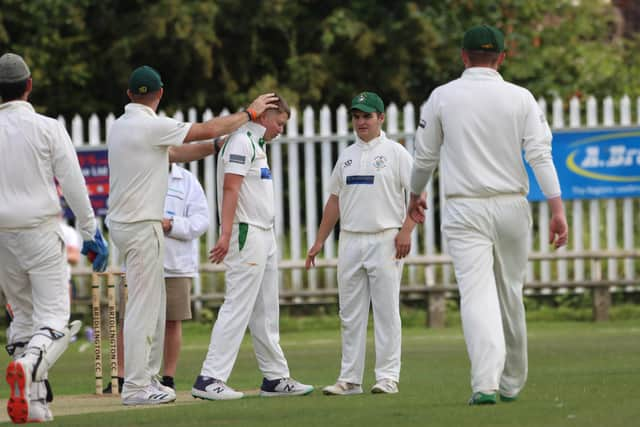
pixel 601 303
pixel 437 306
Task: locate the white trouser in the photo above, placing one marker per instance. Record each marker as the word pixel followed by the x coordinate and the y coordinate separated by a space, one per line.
pixel 488 239
pixel 142 246
pixel 33 278
pixel 251 299
pixel 369 274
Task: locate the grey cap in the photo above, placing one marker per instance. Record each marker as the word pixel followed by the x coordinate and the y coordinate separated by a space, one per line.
pixel 13 68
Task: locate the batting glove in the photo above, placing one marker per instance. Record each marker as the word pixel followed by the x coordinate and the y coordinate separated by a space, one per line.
pixel 97 251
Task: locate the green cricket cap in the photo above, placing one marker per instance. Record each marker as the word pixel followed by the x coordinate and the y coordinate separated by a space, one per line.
pixel 144 80
pixel 368 102
pixel 485 38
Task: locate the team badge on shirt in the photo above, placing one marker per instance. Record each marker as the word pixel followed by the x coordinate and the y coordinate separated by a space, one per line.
pixel 347 163
pixel 380 162
pixel 423 123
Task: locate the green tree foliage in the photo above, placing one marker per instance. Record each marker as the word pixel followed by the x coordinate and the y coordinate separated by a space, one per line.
pixel 223 53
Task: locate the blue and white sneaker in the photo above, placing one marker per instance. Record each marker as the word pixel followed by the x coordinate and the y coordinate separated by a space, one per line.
pixel 213 389
pixel 284 387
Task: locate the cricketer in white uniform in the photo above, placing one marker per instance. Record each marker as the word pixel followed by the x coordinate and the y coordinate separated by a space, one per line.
pixel 34 151
pixel 247 246
pixel 477 126
pixel 369 187
pixel 138 144
pixel 186 218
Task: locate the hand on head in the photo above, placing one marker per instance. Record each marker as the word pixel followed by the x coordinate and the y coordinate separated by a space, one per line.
pixel 263 103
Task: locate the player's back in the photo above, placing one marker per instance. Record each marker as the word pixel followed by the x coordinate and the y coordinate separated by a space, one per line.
pixel 483 122
pixel 137 178
pixel 28 142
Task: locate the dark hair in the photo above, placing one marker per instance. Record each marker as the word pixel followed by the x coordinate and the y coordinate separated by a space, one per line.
pixel 142 98
pixel 482 57
pixel 13 90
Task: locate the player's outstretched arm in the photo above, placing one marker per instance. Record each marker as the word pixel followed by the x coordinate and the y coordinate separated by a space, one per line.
pixel 558 228
pixel 329 219
pixel 230 193
pixel 219 126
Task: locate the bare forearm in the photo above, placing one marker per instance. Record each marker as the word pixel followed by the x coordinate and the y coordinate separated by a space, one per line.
pixel 556 206
pixel 408 225
pixel 190 152
pixel 229 204
pixel 329 219
pixel 219 126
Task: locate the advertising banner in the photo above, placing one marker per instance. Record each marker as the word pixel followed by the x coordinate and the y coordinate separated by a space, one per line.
pixel 594 163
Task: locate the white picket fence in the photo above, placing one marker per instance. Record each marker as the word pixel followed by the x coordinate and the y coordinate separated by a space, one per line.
pixel 301 193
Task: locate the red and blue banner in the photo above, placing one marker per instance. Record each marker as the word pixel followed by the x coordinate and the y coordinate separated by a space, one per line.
pixel 594 163
pixel 94 164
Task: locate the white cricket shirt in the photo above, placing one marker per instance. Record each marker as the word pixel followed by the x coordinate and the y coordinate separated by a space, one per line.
pixel 35 149
pixel 243 155
pixel 138 144
pixel 187 205
pixel 370 179
pixel 478 125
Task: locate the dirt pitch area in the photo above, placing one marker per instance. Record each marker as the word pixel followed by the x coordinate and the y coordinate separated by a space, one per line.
pixel 92 403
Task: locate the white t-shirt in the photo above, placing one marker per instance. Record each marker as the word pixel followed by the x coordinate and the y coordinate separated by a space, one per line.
pixel 479 125
pixel 243 155
pixel 34 150
pixel 187 205
pixel 371 180
pixel 138 144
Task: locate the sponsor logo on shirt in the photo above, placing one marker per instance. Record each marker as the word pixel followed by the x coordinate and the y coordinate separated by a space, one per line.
pixel 237 158
pixel 360 179
pixel 265 173
pixel 380 162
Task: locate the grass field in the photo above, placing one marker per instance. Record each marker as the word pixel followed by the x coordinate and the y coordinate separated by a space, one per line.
pixel 581 374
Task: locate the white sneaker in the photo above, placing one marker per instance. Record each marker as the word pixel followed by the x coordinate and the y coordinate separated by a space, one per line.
pixel 163 388
pixel 39 412
pixel 213 389
pixel 385 385
pixel 342 388
pixel 148 396
pixel 74 328
pixel 19 380
pixel 284 387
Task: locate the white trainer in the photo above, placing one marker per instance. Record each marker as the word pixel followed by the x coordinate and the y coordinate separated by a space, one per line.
pixel 284 387
pixel 39 412
pixel 385 385
pixel 342 388
pixel 163 388
pixel 19 379
pixel 148 396
pixel 213 389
